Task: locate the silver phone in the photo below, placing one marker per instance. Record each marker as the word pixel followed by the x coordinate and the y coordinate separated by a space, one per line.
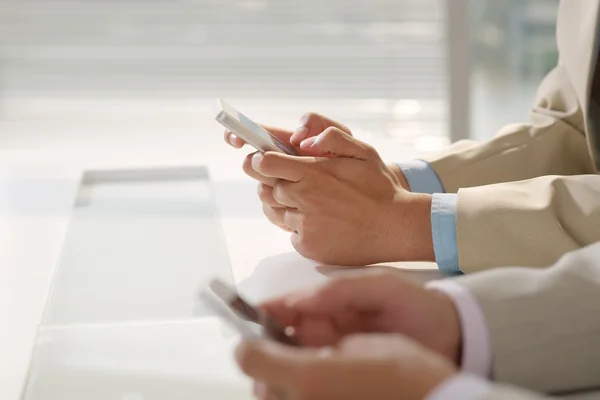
pixel 254 134
pixel 226 302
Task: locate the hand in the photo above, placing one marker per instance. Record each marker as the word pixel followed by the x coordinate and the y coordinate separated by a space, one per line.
pixel 371 302
pixel 361 367
pixel 310 125
pixel 347 209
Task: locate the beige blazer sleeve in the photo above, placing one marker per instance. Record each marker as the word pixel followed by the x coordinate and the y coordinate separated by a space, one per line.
pixel 553 206
pixel 532 222
pixel 544 324
pixel 553 142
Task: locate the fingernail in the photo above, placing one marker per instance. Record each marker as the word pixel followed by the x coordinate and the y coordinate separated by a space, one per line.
pixel 308 143
pixel 256 159
pixel 232 138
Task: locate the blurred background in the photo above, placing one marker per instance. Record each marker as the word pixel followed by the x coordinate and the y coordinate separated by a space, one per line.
pixel 84 72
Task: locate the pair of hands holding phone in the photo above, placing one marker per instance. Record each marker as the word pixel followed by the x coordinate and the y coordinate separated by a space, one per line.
pixel 367 336
pixel 371 335
pixel 342 204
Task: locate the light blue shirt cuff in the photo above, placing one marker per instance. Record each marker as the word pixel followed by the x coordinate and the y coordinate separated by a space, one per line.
pixel 421 177
pixel 443 228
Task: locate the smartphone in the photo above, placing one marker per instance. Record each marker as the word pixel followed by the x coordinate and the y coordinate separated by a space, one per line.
pixel 254 134
pixel 226 302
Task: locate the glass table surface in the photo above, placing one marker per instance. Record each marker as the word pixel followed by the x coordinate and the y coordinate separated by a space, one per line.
pixel 139 361
pixel 122 317
pixel 139 245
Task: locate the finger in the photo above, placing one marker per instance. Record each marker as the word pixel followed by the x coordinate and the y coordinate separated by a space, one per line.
pixel 252 173
pixel 282 166
pixel 285 136
pixel 279 310
pixel 265 194
pixel 335 142
pixel 294 219
pixel 312 124
pixel 285 193
pixel 314 331
pixel 367 291
pixel 275 216
pixel 233 140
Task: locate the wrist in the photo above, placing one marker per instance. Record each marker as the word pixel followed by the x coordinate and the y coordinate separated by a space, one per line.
pixel 413 235
pixel 449 330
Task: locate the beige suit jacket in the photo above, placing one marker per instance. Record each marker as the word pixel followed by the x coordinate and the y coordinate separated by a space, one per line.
pixel 532 194
pixel 544 324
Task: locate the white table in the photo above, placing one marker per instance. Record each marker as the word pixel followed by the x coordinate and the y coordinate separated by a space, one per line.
pixel 38 178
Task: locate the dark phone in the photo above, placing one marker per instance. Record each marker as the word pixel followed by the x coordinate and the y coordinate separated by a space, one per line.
pixel 243 310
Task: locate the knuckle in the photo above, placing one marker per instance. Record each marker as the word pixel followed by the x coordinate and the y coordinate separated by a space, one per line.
pixel 370 150
pixel 265 193
pixel 308 117
pixel 304 245
pixel 331 132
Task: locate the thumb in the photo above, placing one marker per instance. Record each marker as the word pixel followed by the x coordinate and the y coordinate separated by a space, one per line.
pixel 334 142
pixel 312 124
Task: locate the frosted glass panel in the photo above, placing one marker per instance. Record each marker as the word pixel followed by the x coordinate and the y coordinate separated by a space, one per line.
pixel 138 247
pixel 157 361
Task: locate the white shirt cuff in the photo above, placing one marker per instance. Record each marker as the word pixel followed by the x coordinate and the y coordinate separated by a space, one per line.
pixel 476 347
pixel 463 386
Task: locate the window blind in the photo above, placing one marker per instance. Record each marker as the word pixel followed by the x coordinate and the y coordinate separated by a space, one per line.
pixel 378 63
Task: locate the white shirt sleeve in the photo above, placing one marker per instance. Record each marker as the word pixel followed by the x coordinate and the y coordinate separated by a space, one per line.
pixel 476 348
pixel 463 387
